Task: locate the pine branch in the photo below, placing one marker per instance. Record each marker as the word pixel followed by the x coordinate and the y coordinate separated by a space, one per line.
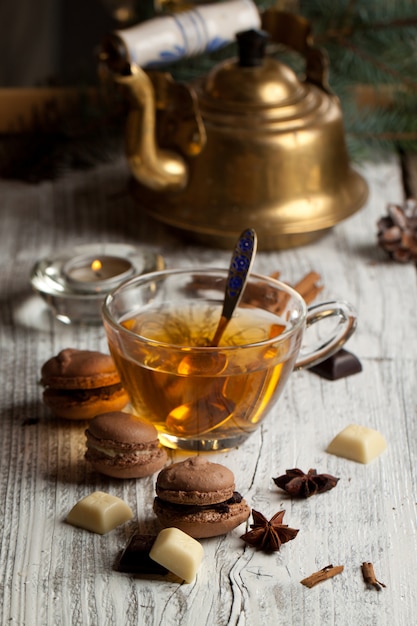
pixel 397 75
pixel 392 24
pixel 371 44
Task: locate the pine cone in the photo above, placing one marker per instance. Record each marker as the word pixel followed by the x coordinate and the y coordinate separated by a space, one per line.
pixel 397 231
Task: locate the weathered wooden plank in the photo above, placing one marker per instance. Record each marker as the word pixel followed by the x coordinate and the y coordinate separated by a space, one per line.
pixel 52 573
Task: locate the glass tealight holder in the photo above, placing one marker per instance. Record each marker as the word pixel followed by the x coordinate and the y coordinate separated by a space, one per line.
pixel 74 282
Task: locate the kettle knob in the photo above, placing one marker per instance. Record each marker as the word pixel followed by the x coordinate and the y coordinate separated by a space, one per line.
pixel 251 45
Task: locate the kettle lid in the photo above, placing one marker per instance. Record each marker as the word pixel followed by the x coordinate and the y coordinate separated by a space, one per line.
pixel 252 80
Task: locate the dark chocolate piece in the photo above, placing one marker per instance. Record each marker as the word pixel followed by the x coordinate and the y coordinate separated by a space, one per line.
pixel 135 557
pixel 340 365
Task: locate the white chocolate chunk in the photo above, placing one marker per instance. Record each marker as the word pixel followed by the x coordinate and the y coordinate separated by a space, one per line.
pixel 358 443
pixel 178 552
pixel 99 512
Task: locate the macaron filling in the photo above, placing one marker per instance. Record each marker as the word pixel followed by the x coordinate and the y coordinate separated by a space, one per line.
pixel 102 450
pixel 83 395
pixel 191 509
pixel 184 498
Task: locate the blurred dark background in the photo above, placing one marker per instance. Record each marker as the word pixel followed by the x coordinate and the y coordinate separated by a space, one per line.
pixel 45 42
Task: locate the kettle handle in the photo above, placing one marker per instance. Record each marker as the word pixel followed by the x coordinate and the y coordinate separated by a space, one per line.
pixel 156 168
pixel 294 32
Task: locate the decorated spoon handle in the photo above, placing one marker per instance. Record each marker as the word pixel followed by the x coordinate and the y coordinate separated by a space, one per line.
pixel 240 266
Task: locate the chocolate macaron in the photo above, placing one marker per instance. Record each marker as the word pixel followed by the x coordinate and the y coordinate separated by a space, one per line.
pixel 199 498
pixel 80 384
pixel 122 445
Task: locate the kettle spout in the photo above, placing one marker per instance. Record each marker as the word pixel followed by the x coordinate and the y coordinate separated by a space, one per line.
pixel 156 168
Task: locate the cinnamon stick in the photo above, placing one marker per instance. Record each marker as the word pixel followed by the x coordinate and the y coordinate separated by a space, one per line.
pixel 369 576
pixel 309 286
pixel 324 574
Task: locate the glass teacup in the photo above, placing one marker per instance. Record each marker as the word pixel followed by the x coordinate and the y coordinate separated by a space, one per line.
pixel 159 327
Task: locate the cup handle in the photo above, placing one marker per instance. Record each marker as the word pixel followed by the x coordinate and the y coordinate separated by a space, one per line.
pixel 326 345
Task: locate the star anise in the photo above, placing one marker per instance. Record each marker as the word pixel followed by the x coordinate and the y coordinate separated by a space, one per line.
pixel 300 485
pixel 268 536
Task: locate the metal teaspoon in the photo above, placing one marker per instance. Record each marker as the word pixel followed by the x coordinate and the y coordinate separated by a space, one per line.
pixel 187 418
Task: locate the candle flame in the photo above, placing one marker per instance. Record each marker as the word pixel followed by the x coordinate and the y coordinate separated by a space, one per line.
pixel 96 265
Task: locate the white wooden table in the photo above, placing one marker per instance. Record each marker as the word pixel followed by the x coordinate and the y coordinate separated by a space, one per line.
pixel 53 574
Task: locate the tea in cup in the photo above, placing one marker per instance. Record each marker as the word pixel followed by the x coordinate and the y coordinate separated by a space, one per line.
pixel 159 328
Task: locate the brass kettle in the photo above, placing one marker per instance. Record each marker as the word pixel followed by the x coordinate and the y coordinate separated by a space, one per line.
pixel 249 145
